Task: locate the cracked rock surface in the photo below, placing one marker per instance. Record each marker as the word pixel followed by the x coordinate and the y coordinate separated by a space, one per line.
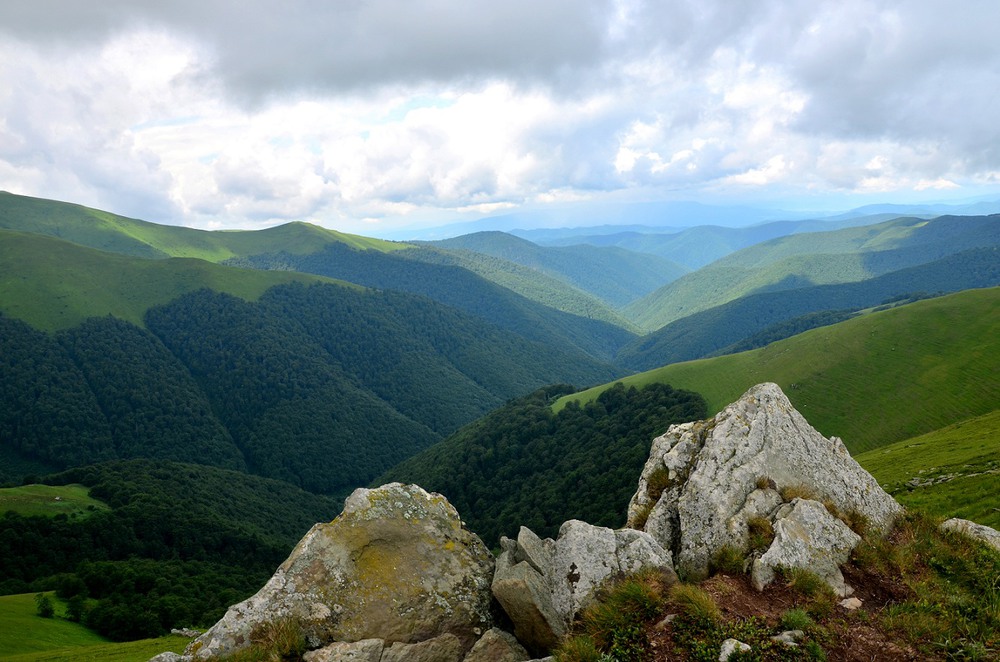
pixel 704 480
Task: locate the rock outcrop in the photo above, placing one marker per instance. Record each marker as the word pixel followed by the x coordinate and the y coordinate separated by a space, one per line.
pixel 543 584
pixel 396 565
pixel 975 531
pixel 706 481
pixel 396 576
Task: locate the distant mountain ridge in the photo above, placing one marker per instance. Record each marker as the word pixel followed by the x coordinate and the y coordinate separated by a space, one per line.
pixel 706 332
pixel 847 255
pixel 615 275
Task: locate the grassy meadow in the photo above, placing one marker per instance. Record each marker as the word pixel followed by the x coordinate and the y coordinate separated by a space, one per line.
pixel 958 469
pixel 53 284
pixel 49 500
pixel 873 380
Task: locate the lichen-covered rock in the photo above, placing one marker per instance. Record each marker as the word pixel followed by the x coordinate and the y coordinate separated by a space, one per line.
pixel 396 565
pixel 807 536
pixel 497 646
pixel 366 650
pixel 544 584
pixel 704 480
pixel 446 648
pixel 976 531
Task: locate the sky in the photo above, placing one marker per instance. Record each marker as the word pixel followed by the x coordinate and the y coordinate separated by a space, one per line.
pixel 369 116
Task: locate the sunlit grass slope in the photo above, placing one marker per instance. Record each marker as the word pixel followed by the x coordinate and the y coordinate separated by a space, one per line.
pixel 24 632
pixel 53 284
pixel 49 500
pixel 129 236
pixel 956 470
pixel 815 258
pixel 873 380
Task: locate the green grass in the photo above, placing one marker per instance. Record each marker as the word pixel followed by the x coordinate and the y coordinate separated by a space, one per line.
pixel 872 380
pixel 49 500
pixel 129 236
pixel 132 651
pixel 53 284
pixel 24 632
pixel 966 456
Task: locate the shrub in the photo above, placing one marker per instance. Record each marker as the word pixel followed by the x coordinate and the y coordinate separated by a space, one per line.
pixel 43 605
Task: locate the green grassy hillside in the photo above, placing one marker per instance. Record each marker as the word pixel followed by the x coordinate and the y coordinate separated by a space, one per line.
pixel 711 331
pixel 54 284
pixel 842 256
pixel 952 472
pixel 872 380
pixel 128 236
pixel 130 651
pixel 50 500
pixel 24 633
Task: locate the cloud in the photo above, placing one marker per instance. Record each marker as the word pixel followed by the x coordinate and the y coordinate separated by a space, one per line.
pixel 220 114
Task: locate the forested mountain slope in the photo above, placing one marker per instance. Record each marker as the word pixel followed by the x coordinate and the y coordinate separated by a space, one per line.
pixel 872 380
pixel 710 331
pixel 848 255
pixel 524 465
pixel 456 287
pixel 179 544
pixel 323 386
pixel 615 275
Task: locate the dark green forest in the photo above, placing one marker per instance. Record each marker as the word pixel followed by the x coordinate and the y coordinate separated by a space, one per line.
pixel 180 544
pixel 524 465
pixel 322 386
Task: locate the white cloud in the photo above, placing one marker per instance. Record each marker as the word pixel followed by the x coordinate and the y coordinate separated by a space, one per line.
pixel 340 113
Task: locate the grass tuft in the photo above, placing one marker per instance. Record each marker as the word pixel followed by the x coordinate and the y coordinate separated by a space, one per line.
pixel 728 560
pixel 761 532
pixel 796 619
pixel 695 603
pixel 798 491
pixel 658 481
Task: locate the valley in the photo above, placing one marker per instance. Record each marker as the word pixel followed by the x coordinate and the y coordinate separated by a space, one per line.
pixel 181 405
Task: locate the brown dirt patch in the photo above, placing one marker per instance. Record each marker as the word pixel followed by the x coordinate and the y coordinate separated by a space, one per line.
pixel 848 636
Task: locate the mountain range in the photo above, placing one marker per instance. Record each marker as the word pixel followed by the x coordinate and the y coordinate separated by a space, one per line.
pixel 323 361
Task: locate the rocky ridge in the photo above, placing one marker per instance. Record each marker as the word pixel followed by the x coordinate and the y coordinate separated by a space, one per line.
pixel 397 577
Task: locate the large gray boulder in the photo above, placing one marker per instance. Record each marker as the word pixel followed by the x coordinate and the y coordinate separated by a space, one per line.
pixel 705 480
pixel 396 565
pixel 544 584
